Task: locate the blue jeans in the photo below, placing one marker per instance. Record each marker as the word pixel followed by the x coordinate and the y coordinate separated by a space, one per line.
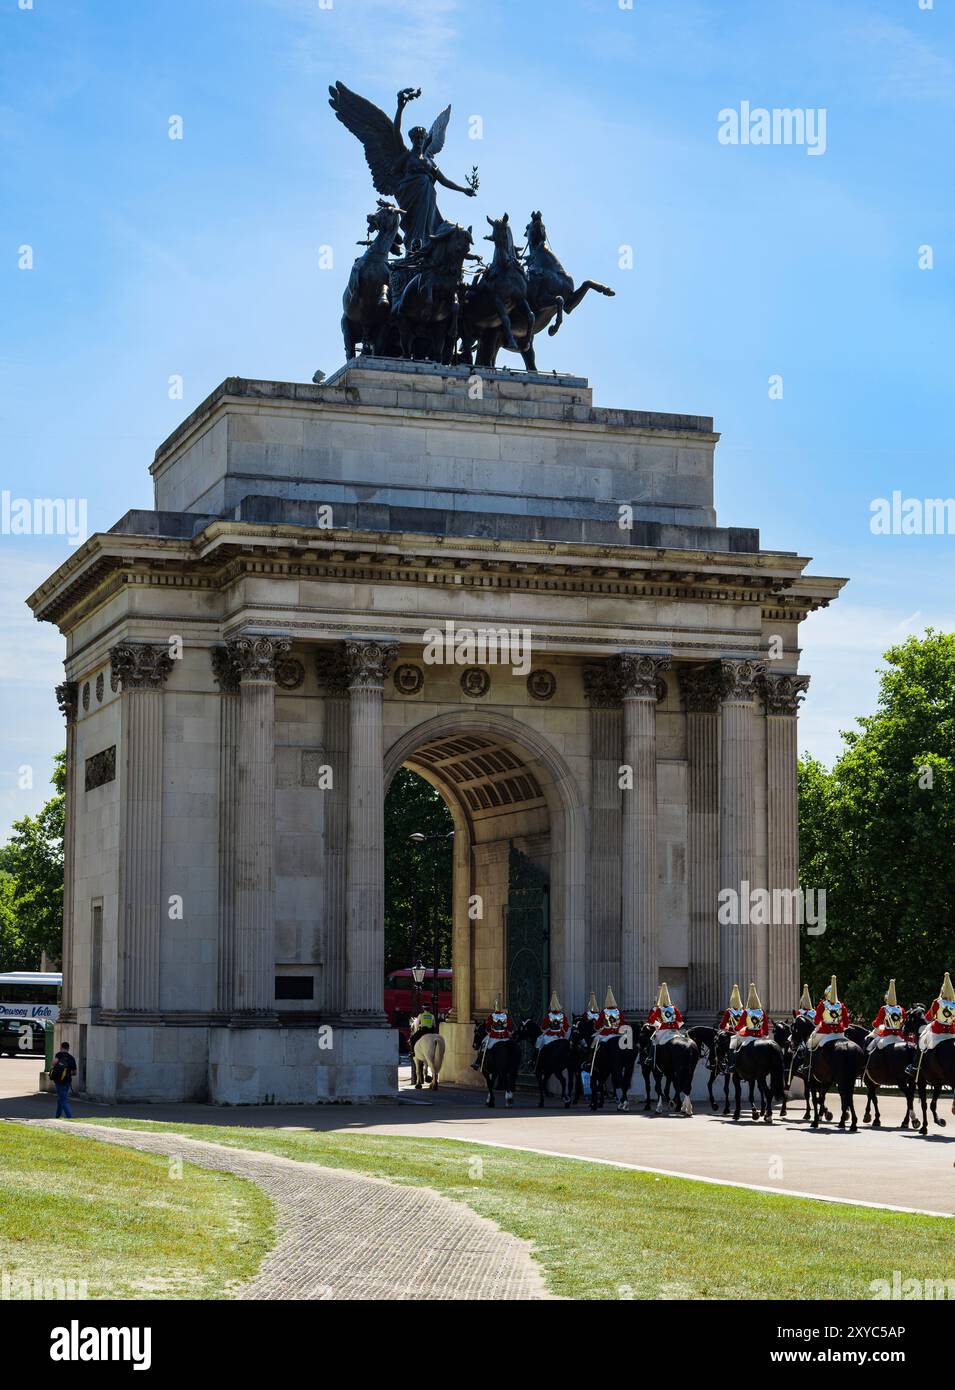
pixel 63 1099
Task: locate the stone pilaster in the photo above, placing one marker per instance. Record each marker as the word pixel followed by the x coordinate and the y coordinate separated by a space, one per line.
pixel 700 689
pixel 781 695
pixel 368 665
pixel 605 961
pixel 739 962
pixel 67 696
pixel 141 669
pixel 640 685
pixel 333 675
pixel 254 659
pixel 227 679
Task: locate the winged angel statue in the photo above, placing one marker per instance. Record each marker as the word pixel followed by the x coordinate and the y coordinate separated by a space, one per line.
pixel 409 175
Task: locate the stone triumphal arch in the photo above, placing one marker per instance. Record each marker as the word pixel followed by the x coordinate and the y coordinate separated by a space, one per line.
pixel 248 665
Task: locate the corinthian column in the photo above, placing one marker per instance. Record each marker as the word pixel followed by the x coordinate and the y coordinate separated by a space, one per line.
pixel 700 689
pixel 227 678
pixel 368 666
pixel 739 961
pixel 141 669
pixel 254 659
pixel 604 959
pixel 638 677
pixel 67 699
pixel 333 675
pixel 782 695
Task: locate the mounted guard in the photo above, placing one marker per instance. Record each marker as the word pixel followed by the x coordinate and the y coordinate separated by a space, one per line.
pixel 888 1026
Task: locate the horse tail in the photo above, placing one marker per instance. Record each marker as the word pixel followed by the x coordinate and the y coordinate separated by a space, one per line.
pixel 439 1049
pixel 559 319
pixel 777 1077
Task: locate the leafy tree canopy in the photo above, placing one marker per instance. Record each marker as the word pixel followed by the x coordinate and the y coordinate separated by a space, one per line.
pixel 417 876
pixel 31 882
pixel 878 833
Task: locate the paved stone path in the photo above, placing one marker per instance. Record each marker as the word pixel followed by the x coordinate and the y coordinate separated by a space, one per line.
pixel 342 1235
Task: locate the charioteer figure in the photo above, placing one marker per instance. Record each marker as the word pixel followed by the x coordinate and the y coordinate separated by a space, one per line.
pixel 555 1026
pixel 498 1027
pixel 888 1026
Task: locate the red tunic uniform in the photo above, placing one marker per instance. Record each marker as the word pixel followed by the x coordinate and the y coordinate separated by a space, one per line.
pixel 559 1029
pixel 746 1030
pixel 822 1027
pixel 656 1019
pixel 730 1021
pixel 499 1030
pixel 607 1027
pixel 937 1025
pixel 882 1026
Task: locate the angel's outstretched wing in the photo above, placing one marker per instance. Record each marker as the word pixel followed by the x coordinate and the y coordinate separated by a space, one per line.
pixel 435 140
pixel 384 147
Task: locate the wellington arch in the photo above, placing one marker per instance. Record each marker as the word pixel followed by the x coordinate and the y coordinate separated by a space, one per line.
pixel 248 666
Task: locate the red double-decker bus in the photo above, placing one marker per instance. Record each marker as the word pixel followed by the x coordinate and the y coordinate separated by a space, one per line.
pixel 403 998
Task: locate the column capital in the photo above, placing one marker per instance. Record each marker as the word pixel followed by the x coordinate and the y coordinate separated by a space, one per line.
pixel 67 697
pixel 140 665
pixel 369 662
pixel 782 693
pixel 331 670
pixel 224 670
pixel 638 674
pixel 700 688
pixel 739 680
pixel 601 686
pixel 255 656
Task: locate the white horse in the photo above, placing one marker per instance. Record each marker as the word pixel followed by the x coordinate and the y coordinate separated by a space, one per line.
pixel 427 1058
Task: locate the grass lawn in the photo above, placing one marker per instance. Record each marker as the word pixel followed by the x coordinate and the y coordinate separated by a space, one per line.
pixel 74 1209
pixel 603 1232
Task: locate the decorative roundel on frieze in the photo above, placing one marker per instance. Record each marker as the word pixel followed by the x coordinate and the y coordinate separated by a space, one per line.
pixel 542 685
pixel 86 694
pixel 289 673
pixel 100 686
pixel 408 679
pixel 475 682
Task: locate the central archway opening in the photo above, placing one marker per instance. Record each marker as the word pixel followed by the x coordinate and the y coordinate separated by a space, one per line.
pixel 478 903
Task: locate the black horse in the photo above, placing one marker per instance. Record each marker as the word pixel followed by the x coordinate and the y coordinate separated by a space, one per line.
pixel 935 1068
pixel 836 1064
pixel 499 1066
pixel 367 298
pixel 582 1046
pixel 760 1063
pixel 553 1059
pixel 714 1047
pixel 550 293
pixel 428 307
pixel 886 1066
pixel 612 1063
pixel 499 291
pixel 672 1062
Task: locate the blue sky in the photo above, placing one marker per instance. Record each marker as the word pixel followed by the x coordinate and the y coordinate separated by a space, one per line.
pixel 199 258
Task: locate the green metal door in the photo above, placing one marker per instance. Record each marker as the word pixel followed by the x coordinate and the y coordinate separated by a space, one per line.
pixel 527 947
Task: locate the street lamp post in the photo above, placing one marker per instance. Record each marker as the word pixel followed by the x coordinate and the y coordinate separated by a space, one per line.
pixel 420 838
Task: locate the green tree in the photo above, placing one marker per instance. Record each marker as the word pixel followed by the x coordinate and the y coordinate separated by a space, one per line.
pixel 31 882
pixel 417 876
pixel 878 833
